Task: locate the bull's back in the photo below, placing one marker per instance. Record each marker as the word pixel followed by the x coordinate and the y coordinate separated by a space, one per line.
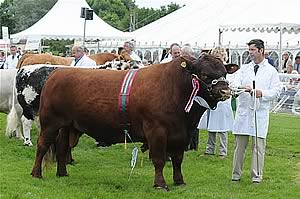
pixel 83 95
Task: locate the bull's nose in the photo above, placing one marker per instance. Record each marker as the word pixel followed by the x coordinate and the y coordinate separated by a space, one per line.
pixel 225 92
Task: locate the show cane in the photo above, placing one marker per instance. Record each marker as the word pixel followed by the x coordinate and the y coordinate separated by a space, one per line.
pixel 255 123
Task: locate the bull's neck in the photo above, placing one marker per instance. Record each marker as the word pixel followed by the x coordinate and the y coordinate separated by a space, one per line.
pixel 182 82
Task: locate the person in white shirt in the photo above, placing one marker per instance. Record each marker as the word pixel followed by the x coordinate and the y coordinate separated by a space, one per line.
pixel 129 48
pixel 12 60
pixel 80 58
pixel 136 61
pixel 175 51
pixel 265 78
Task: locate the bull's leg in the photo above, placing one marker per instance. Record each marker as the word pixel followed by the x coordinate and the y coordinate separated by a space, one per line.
pixel 157 146
pixel 42 148
pixel 176 162
pixel 62 149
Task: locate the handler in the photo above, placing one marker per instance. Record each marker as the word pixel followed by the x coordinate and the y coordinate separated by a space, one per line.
pixel 267 85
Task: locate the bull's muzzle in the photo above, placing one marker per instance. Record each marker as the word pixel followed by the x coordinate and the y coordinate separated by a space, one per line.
pixel 225 94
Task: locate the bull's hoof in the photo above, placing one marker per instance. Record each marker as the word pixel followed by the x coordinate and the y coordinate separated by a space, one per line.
pixel 180 184
pixel 162 188
pixel 62 174
pixel 35 175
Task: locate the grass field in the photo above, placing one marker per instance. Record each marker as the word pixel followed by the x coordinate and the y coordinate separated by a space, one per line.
pixel 103 173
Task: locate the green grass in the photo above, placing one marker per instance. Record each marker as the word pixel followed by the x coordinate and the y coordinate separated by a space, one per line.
pixel 103 173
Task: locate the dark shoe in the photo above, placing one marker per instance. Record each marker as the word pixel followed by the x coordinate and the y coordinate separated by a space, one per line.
pixel 235 180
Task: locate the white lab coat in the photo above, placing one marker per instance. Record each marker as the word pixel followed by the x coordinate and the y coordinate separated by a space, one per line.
pixel 135 57
pixel 266 80
pixel 84 61
pixel 218 120
pixel 11 62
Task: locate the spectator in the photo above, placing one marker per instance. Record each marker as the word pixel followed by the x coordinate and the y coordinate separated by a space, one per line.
pixel 2 59
pixel 270 60
pixel 175 52
pixel 220 120
pixel 129 47
pixel 136 61
pixel 297 64
pixel 289 69
pixel 12 60
pixel 80 57
pixel 267 85
pixel 286 61
pixel 187 51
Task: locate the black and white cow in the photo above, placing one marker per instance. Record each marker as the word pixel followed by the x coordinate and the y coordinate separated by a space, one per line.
pixel 9 105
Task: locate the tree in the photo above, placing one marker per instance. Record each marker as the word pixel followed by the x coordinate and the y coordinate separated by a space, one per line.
pixel 7 15
pixel 28 12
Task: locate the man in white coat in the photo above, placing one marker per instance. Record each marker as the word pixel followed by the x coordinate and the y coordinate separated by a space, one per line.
pixel 267 86
pixel 80 58
pixel 12 60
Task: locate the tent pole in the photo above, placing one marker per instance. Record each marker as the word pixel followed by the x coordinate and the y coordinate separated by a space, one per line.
pixel 83 42
pixel 280 48
pixel 220 37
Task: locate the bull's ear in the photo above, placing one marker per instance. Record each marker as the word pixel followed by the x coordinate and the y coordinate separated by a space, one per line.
pixel 232 68
pixel 187 62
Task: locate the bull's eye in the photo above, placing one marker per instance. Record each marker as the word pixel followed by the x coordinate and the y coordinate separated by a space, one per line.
pixel 203 76
pixel 214 82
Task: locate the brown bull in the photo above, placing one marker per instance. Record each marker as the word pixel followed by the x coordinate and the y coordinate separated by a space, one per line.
pixel 100 58
pixel 156 109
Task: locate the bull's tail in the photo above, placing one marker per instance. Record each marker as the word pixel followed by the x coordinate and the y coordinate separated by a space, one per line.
pixel 12 122
pixel 50 156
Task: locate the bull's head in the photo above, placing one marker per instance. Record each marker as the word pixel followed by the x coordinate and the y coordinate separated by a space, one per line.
pixel 210 73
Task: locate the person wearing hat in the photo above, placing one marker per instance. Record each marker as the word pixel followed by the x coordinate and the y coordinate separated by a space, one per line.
pixel 252 115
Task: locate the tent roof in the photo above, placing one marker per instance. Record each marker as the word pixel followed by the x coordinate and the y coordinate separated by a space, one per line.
pixel 200 21
pixel 285 27
pixel 63 22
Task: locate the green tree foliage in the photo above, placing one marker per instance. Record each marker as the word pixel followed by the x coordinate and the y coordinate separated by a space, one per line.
pixel 28 12
pixel 148 15
pixel 7 15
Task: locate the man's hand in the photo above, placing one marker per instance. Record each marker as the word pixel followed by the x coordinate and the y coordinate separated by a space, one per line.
pixel 250 90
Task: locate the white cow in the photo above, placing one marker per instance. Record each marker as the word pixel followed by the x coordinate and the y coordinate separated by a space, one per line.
pixel 10 106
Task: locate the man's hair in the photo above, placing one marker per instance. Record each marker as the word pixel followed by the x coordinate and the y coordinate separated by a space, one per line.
pixel 172 45
pixel 187 50
pixel 130 44
pixel 258 43
pixel 297 57
pixel 13 46
pixel 78 48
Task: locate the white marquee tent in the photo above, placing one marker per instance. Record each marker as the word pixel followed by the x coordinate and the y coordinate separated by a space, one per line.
pixel 198 23
pixel 63 22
